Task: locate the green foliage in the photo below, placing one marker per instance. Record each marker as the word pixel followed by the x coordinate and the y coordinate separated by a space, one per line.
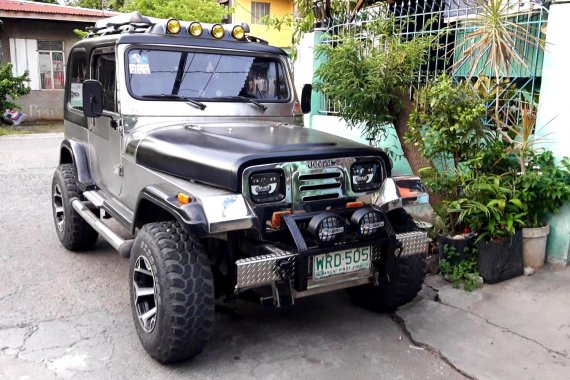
pixel 461 267
pixel 368 83
pixel 114 5
pixel 491 204
pixel 447 123
pixel 12 87
pixel 198 10
pixel 496 39
pixel 545 187
pixel 80 33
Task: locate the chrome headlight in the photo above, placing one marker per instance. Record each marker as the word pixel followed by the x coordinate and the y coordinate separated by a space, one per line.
pixel 267 187
pixel 367 221
pixel 326 227
pixel 366 176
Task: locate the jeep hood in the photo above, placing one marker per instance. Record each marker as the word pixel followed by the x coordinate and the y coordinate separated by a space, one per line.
pixel 217 155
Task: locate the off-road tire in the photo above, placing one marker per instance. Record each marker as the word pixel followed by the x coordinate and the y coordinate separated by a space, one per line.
pixel 184 292
pixel 403 286
pixel 405 280
pixel 74 233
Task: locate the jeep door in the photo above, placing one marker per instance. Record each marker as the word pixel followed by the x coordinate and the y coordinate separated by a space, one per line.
pixel 105 140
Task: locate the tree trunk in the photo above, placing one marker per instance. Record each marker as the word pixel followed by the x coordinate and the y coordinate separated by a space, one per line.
pixel 416 159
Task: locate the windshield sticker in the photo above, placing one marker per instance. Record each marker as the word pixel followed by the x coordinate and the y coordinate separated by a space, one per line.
pixel 76 98
pixel 138 64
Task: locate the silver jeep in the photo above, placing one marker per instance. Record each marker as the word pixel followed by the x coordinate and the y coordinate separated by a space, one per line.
pixel 182 132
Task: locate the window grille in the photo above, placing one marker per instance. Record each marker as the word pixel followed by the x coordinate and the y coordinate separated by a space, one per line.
pixel 258 11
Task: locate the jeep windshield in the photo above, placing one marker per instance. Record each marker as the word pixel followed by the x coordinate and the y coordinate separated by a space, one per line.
pixel 156 74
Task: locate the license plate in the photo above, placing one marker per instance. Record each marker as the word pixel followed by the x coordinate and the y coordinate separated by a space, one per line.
pixel 349 260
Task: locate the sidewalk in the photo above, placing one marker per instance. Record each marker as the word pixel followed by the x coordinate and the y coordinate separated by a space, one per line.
pixel 517 329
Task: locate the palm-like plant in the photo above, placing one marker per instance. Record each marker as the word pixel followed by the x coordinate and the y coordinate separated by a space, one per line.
pixel 497 40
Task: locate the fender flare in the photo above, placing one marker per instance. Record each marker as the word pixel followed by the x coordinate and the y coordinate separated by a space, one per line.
pixel 73 152
pixel 190 216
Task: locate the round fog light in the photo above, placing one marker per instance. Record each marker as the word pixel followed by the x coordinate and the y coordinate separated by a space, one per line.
pixel 195 29
pixel 326 227
pixel 217 31
pixel 367 222
pixel 238 32
pixel 173 26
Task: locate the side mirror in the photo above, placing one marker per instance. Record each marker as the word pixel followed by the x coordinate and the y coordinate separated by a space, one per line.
pixel 92 98
pixel 306 98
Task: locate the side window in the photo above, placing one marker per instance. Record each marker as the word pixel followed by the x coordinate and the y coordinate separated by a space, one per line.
pixel 105 72
pixel 77 73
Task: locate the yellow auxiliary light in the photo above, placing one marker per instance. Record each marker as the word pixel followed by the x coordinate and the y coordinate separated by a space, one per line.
pixel 217 31
pixel 238 32
pixel 173 26
pixel 195 29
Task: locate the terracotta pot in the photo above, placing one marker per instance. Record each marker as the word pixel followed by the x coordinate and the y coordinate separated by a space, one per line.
pixel 534 246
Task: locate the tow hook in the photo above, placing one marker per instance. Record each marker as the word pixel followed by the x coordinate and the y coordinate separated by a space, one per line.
pixel 284 269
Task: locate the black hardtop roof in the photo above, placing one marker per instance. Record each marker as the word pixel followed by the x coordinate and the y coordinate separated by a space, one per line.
pixel 183 41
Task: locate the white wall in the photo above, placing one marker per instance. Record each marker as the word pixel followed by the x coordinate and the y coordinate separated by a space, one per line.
pixel 554 106
pixel 553 119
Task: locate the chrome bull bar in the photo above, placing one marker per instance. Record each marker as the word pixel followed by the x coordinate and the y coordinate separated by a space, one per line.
pixel 253 272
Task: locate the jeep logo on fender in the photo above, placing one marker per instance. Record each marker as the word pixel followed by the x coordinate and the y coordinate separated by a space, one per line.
pixel 321 164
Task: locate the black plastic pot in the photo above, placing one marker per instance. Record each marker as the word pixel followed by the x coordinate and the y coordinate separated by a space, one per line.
pixel 460 246
pixel 500 260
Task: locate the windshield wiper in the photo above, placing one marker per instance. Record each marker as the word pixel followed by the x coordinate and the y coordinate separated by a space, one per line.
pixel 240 97
pixel 190 101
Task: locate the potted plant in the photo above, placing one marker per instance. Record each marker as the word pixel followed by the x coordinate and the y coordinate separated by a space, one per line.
pixel 544 184
pixel 545 187
pixel 492 205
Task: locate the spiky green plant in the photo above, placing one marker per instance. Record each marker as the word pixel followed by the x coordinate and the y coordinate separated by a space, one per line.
pixel 497 40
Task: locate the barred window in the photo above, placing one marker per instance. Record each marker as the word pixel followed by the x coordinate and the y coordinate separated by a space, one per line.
pixel 51 65
pixel 258 11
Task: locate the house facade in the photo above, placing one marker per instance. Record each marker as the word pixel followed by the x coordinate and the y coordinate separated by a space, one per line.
pixel 37 37
pixel 252 12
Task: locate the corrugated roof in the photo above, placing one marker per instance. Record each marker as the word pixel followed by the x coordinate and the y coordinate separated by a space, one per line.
pixel 55 9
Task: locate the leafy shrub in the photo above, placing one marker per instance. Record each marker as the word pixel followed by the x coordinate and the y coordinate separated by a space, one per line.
pixel 12 87
pixel 461 267
pixel 447 123
pixel 368 83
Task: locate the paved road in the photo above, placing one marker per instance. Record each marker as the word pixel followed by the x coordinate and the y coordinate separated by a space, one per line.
pixel 66 315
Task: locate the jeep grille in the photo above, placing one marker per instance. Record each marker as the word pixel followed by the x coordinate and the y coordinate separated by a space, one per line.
pixel 320 186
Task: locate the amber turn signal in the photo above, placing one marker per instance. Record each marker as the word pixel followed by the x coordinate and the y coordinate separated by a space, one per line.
pixel 173 26
pixel 354 204
pixel 184 199
pixel 276 218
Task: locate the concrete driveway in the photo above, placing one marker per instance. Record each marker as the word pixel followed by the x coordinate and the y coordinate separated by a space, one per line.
pixel 67 315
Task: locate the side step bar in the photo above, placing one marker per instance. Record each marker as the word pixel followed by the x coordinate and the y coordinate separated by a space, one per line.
pixel 117 242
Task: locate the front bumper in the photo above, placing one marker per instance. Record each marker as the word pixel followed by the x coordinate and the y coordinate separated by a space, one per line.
pixel 282 265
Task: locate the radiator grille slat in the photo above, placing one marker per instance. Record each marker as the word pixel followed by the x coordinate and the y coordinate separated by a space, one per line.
pixel 320 186
pixel 308 177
